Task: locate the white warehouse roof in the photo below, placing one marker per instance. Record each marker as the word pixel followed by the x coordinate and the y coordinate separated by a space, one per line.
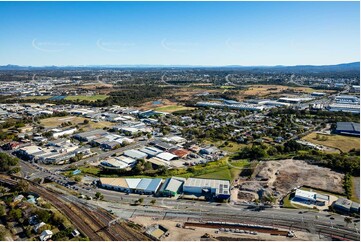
pixel 166 156
pixel 305 194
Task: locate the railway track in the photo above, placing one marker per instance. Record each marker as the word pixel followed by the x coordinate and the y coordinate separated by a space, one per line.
pixel 121 230
pixel 78 221
pixel 290 224
pixel 272 231
pixel 92 222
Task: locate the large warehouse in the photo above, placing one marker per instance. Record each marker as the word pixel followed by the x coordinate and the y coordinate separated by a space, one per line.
pixel 348 128
pixel 135 185
pixel 207 187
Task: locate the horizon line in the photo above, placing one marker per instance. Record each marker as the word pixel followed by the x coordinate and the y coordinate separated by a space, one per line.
pixel 175 65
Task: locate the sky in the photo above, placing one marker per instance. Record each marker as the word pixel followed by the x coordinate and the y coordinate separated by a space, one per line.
pixel 179 33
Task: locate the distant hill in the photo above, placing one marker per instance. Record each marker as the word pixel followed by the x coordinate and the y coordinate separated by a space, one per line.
pixel 346 67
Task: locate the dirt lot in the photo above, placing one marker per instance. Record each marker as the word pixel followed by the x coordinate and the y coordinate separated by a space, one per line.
pixel 293 173
pixel 56 121
pixel 264 90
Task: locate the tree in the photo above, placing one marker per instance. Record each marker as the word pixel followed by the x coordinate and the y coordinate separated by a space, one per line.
pixel 86 121
pixel 44 227
pixel 22 186
pixel 15 213
pixel 141 200
pixel 153 201
pixel 2 210
pixel 15 170
pixel 99 196
pixel 2 232
pixel 347 220
pixel 43 215
pixel 77 178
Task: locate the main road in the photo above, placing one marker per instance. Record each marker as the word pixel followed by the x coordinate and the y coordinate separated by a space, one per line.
pixel 120 203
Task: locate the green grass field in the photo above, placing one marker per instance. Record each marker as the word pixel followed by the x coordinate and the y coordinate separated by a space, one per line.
pixel 342 142
pixel 92 98
pixel 213 170
pixel 172 108
pixel 224 173
pixel 232 147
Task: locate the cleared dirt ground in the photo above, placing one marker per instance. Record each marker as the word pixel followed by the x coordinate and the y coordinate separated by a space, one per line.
pixel 284 175
pixel 181 234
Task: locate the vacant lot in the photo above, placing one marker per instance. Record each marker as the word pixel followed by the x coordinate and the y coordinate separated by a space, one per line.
pixel 37 97
pixel 284 175
pixel 172 108
pixel 57 121
pixel 342 142
pixel 232 147
pixel 86 98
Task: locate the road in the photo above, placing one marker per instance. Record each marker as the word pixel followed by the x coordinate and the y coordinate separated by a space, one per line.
pixel 312 222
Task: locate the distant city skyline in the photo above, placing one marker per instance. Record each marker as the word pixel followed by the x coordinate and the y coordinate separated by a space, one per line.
pixel 179 33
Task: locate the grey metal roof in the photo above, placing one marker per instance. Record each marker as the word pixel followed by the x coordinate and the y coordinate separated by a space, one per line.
pixel 135 154
pixel 163 145
pixel 221 186
pixel 348 126
pixel 322 197
pixel 344 203
pixel 151 151
pixel 144 183
pixel 355 205
pixel 173 185
pixel 154 184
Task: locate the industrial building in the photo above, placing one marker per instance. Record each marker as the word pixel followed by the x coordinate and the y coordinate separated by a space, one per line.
pixel 348 108
pixel 134 185
pixel 60 133
pixel 135 154
pixel 121 162
pixel 207 187
pixel 172 186
pixel 294 100
pixel 345 206
pixel 346 99
pixel 348 128
pixel 241 106
pixel 90 135
pixel 151 151
pixel 318 94
pixel 310 197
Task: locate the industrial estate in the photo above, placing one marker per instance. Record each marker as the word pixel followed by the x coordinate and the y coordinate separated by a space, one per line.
pixel 243 123
pixel 186 159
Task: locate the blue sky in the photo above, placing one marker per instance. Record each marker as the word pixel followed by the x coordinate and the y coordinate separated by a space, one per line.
pixel 179 33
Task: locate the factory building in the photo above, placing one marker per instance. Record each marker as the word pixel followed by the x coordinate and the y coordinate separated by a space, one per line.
pixel 207 187
pixel 349 108
pixel 135 154
pixel 310 197
pixel 134 185
pixel 90 135
pixel 347 99
pixel 345 206
pixel 348 128
pixel 240 106
pixel 294 100
pixel 171 187
pixel 318 94
pixel 150 151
